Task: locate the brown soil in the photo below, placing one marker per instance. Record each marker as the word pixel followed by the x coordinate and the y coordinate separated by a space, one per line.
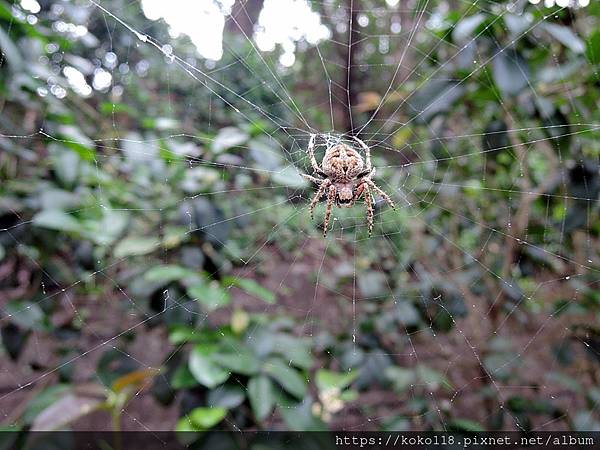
pixel 326 305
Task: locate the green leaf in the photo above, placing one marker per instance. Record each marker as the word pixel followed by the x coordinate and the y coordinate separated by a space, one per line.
pixel 261 395
pixel 43 400
pixel 517 24
pixel 520 404
pixel 135 246
pixel 109 109
pixel 66 410
pixel 114 364
pixel 301 418
pixel 586 421
pixel 183 378
pixel 432 378
pixel 466 28
pixel 59 200
pixel 401 378
pixel 180 334
pixel 55 219
pixel 204 368
pixel 593 48
pixel 437 96
pixel 108 229
pixel 243 361
pixel 287 377
pixel 168 273
pixel 594 397
pixel 294 349
pixel 553 74
pixel 289 176
pixel 210 295
pixel 84 152
pixel 326 379
pixel 26 314
pixel 251 287
pixel 77 141
pixel 199 419
pixel 5 12
pixel 458 425
pixel 565 36
pixel 227 138
pixel 66 163
pixel 184 427
pixel 227 396
pixel 205 418
pixel 266 154
pixel 349 395
pixel 510 72
pixel 161 123
pixel 10 50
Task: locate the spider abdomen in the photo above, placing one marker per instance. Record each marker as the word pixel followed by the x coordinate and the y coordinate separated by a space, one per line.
pixel 342 163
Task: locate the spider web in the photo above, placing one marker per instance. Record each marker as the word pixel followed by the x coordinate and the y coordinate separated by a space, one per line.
pixel 351 275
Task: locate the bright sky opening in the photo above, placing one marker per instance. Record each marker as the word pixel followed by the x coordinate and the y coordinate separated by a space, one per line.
pixel 281 22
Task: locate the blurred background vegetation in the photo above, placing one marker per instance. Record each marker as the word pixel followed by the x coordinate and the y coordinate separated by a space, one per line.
pixel 159 268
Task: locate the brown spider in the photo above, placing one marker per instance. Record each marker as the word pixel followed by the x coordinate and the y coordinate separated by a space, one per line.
pixel 344 176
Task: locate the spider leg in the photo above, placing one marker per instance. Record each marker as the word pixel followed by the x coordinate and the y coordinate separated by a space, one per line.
pixel 380 192
pixel 313 179
pixel 367 150
pixel 320 192
pixel 330 200
pixel 369 203
pixel 359 190
pixel 311 154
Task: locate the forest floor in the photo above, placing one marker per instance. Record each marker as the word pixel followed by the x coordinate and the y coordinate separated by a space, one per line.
pixel 317 307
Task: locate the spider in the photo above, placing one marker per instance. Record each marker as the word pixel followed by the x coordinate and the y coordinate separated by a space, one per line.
pixel 344 177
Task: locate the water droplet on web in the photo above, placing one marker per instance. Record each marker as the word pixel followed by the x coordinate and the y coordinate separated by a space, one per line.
pixel 166 298
pixel 141 37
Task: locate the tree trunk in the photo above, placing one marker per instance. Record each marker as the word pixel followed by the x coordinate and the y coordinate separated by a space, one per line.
pixel 351 81
pixel 244 15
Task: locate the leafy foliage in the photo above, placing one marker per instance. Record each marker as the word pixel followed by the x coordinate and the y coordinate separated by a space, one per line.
pixel 133 213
